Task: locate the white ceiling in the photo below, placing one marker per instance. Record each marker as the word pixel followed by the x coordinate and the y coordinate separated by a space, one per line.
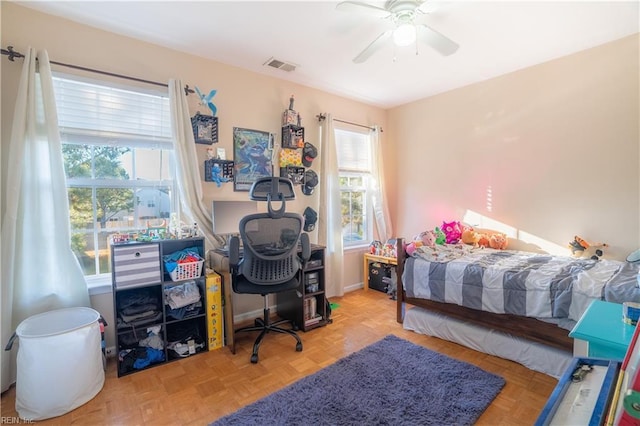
pixel 495 37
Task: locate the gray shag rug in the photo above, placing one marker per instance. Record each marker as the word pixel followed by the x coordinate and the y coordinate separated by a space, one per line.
pixel 391 382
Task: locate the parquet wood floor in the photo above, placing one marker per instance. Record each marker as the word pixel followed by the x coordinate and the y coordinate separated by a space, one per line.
pixel 200 389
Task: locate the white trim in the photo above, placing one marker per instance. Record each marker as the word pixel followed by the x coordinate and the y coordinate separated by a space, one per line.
pixel 99 284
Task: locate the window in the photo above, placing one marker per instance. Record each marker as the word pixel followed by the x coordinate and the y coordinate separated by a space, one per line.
pixel 354 168
pixel 117 150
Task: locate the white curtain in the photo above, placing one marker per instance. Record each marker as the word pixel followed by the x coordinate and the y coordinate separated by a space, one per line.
pixel 187 167
pixel 330 215
pixel 39 270
pixel 382 219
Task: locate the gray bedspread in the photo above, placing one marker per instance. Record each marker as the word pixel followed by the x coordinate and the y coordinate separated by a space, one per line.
pixel 547 287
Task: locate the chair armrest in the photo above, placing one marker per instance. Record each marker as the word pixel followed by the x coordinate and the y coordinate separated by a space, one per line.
pixel 234 252
pixel 306 248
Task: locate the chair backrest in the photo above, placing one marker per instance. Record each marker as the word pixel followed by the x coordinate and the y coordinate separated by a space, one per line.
pixel 271 248
pixel 272 254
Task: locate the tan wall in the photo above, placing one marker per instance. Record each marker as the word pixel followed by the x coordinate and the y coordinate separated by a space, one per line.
pixel 244 99
pixel 557 144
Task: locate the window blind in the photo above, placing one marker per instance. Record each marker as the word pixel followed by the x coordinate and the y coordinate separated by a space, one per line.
pixel 111 115
pixel 354 151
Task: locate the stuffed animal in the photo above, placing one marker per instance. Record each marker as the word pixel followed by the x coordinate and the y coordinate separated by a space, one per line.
pixel 498 241
pixel 580 248
pixel 441 239
pixel 469 236
pixel 483 239
pixel 452 231
pixel 426 238
pixel 492 239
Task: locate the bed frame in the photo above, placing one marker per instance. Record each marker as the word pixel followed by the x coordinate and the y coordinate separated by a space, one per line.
pixel 524 327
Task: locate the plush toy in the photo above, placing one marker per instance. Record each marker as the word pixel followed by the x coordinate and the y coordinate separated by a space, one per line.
pixel 483 239
pixel 426 238
pixel 216 175
pixel 498 241
pixel 492 239
pixel 582 249
pixel 441 239
pixel 452 231
pixel 469 236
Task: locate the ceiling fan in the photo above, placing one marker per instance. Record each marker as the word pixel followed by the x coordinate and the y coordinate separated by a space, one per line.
pixel 403 14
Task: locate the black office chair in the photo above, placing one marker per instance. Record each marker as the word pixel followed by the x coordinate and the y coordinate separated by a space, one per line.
pixel 272 257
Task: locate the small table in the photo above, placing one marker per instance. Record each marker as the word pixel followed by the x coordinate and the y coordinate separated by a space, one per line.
pixel 374 258
pixel 601 332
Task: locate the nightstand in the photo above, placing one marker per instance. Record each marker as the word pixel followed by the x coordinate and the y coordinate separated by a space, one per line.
pixel 601 332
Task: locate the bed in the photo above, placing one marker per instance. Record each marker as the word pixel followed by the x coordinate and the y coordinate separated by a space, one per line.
pixel 534 296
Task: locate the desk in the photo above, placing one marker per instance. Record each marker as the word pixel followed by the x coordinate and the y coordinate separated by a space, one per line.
pixel 374 258
pixel 290 305
pixel 601 332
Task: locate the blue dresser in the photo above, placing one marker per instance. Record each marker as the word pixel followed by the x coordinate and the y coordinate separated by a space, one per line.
pixel 603 389
pixel 601 332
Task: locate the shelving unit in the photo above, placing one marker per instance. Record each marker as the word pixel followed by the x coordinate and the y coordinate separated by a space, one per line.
pixel 159 318
pixel 381 260
pixel 306 305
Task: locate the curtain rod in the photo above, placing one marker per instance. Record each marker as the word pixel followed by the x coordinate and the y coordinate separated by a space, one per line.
pixel 12 54
pixel 322 117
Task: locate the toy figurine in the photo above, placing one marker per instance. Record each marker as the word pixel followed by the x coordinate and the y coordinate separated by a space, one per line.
pixel 216 175
pixel 206 100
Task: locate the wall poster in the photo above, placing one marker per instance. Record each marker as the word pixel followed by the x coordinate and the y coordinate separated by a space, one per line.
pixel 252 154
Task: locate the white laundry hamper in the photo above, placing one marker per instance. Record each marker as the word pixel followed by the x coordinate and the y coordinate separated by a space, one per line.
pixel 59 362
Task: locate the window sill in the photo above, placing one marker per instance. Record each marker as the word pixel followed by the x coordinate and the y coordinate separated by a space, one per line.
pixel 99 285
pixel 359 247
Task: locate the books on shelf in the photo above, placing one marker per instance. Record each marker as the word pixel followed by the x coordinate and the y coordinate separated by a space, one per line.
pixel 312 321
pixel 311 315
pixel 310 308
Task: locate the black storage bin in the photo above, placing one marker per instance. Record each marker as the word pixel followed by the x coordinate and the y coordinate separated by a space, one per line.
pixel 377 271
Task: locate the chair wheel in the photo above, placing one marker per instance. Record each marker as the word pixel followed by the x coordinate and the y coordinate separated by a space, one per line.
pixel 298 347
pixel 254 358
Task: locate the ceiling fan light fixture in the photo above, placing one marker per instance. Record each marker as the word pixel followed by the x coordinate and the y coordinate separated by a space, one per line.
pixel 404 34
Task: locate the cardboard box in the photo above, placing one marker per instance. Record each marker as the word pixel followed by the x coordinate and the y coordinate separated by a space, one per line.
pixel 215 315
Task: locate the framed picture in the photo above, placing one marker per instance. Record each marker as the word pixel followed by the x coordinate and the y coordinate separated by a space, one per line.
pixel 252 156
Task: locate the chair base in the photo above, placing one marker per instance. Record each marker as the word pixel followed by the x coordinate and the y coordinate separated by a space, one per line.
pixel 264 326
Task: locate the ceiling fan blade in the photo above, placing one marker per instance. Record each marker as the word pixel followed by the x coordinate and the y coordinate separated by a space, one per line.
pixel 358 6
pixel 371 48
pixel 429 6
pixel 436 40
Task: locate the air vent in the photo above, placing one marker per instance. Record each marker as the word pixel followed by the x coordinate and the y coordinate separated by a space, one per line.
pixel 281 65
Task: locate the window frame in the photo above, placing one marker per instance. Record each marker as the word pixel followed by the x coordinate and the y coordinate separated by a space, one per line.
pixel 356 171
pixel 165 180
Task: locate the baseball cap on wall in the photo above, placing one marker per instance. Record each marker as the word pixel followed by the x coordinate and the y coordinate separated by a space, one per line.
pixel 310 219
pixel 310 182
pixel 309 152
